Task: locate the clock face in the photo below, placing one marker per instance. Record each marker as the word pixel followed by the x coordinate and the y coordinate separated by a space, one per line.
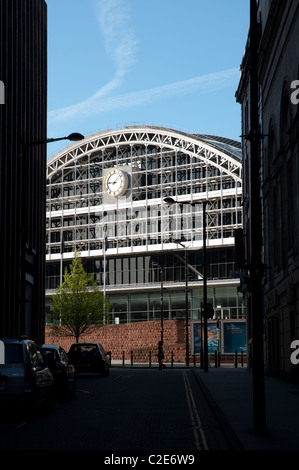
pixel 115 182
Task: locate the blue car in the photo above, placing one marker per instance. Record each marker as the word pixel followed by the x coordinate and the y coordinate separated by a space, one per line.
pixel 24 376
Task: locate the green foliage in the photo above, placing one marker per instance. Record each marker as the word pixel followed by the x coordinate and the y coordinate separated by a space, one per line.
pixel 78 305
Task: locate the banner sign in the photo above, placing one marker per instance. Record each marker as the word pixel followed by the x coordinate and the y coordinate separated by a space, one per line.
pixel 198 337
pixel 229 338
pixel 234 336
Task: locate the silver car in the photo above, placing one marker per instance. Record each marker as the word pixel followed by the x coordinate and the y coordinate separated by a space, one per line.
pixel 24 377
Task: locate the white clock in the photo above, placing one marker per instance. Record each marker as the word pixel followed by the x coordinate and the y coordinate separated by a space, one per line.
pixel 115 182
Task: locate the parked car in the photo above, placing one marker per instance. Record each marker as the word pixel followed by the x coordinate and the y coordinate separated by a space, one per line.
pixel 89 357
pixel 24 377
pixel 63 371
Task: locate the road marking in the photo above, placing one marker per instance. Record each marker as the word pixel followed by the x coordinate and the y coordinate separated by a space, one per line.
pixel 21 425
pixel 117 377
pixel 195 419
pixel 122 376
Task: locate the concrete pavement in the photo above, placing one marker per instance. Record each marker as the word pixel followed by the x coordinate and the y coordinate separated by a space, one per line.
pixel 230 393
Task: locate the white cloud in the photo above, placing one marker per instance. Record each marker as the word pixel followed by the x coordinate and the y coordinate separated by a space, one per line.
pixel 98 103
pixel 121 46
pixel 114 20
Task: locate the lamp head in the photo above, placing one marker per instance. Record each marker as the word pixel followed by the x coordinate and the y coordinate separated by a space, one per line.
pixel 75 136
pixel 169 200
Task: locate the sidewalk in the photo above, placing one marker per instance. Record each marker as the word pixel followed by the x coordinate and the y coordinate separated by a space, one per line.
pixel 230 392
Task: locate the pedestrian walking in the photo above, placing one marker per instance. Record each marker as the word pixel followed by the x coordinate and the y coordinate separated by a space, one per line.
pixel 161 355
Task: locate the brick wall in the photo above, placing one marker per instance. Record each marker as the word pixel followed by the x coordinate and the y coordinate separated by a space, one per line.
pixel 141 338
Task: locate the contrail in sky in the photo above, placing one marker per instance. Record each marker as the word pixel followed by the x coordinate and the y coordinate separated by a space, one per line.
pixel 98 104
pixel 121 46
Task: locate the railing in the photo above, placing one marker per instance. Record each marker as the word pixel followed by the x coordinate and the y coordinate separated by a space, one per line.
pixel 236 359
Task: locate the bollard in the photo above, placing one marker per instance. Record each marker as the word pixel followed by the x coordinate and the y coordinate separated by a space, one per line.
pixel 171 358
pixel 150 358
pixel 131 358
pixel 242 359
pixel 123 358
pixel 216 359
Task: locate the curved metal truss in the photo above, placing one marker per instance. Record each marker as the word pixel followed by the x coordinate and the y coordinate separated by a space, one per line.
pixel 192 145
pixel 158 162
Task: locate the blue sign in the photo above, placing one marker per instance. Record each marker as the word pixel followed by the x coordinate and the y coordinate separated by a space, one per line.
pixel 234 336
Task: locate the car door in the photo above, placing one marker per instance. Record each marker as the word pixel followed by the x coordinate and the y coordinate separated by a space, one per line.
pixel 69 367
pixel 42 377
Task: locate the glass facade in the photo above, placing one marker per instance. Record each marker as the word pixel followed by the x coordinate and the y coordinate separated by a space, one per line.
pixel 106 198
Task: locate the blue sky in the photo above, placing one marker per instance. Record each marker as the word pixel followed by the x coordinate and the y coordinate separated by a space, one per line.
pixel 162 62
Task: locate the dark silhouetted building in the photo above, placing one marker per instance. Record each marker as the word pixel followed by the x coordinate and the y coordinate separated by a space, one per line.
pixel 278 109
pixel 23 75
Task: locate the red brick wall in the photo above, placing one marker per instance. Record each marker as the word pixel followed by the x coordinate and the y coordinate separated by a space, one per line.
pixel 141 338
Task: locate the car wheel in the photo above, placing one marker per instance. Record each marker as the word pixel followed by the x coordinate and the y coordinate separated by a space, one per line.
pixel 72 392
pixel 34 401
pixel 106 371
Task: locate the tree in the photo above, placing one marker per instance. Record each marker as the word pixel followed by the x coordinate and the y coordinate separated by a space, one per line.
pixel 78 305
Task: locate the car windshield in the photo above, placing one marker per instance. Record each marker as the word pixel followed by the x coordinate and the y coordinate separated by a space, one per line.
pixel 13 353
pixel 89 349
pixel 48 354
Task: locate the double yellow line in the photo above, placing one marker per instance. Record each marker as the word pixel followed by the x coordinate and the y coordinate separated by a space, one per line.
pixel 199 435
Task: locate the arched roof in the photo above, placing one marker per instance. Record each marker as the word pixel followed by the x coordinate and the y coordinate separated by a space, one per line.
pixel 229 145
pixel 223 153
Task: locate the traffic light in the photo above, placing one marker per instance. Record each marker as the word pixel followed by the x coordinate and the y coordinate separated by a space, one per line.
pixel 210 311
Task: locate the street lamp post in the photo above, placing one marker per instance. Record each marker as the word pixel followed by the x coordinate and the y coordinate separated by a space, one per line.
pixel 28 251
pixel 74 137
pixel 206 362
pixel 161 297
pixel 186 301
pixel 201 345
pixel 256 242
pixel 170 200
pixel 161 300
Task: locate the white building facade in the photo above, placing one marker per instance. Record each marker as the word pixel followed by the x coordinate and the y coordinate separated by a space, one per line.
pixel 106 198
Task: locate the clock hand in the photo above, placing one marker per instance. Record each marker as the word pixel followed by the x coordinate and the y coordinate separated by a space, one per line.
pixel 114 182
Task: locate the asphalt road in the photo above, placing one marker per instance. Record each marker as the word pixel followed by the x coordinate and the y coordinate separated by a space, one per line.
pixel 130 410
